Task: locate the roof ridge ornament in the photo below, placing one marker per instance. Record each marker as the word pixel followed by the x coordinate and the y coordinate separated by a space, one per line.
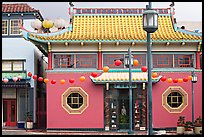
pixel 71 4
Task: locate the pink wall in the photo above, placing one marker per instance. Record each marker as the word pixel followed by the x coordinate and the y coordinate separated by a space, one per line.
pixel 91 117
pixel 161 117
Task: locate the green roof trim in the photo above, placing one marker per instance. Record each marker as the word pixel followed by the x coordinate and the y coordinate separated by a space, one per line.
pixel 189 32
pixel 57 41
pixel 116 14
pixel 124 81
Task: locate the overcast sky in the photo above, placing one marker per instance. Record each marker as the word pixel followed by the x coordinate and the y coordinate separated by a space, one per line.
pixel 184 11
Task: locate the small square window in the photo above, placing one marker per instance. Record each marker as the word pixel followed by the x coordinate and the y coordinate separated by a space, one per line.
pixel 6 66
pixel 4 27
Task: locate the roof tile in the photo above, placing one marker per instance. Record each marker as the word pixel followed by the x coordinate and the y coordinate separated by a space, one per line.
pixel 127 27
pixel 17 8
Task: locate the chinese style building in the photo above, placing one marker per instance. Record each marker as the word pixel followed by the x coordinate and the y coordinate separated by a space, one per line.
pixel 20 93
pixel 96 38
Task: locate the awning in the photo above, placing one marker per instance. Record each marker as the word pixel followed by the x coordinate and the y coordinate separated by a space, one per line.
pixel 123 77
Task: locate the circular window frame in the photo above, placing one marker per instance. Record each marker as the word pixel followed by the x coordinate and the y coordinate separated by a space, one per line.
pixel 181 91
pixel 65 105
pixel 70 106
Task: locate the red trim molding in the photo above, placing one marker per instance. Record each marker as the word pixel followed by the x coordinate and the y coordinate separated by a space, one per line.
pixel 198 60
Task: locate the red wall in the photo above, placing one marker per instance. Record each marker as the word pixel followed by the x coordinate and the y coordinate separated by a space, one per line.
pixel 91 117
pixel 160 116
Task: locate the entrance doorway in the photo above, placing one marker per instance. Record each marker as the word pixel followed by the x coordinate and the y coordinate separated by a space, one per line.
pixel 117 109
pixel 9 112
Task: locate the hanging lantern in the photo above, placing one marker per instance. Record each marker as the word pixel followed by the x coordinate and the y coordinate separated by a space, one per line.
pixel 19 78
pixel 15 79
pixel 71 80
pixel 36 24
pixel 35 77
pixel 163 78
pixel 185 79
pixel 154 74
pixel 5 80
pixel 29 74
pixel 40 79
pixel 53 81
pixel 175 81
pixel 62 81
pixel 190 77
pixel 94 74
pixel 118 62
pixel 82 78
pixel 144 68
pixel 169 80
pixel 46 80
pixel 135 62
pixel 105 69
pixel 48 24
pixel 59 23
pixel 180 80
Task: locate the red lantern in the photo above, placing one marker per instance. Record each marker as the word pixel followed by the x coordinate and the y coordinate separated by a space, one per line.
pixel 15 79
pixel 35 77
pixel 46 80
pixel 175 80
pixel 118 62
pixel 144 68
pixel 53 81
pixel 29 74
pixel 82 78
pixel 5 80
pixel 40 79
pixel 163 78
pixel 185 79
pixel 62 81
pixel 19 78
pixel 71 80
pixel 94 74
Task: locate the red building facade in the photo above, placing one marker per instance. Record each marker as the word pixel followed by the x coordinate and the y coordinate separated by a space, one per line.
pixel 95 39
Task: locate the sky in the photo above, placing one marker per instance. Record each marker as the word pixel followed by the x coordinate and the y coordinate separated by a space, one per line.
pixel 184 11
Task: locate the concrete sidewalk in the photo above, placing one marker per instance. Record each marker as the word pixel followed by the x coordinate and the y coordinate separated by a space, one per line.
pixel 6 131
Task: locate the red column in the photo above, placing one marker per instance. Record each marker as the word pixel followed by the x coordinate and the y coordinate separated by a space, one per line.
pixel 99 60
pixel 198 60
pixel 49 60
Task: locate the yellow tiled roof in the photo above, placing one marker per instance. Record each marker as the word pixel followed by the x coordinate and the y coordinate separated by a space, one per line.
pixel 115 28
pixel 122 77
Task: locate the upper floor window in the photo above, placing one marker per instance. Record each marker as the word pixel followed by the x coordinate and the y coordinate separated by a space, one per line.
pixel 12 65
pixel 4 27
pixel 86 60
pixel 172 60
pixel 183 60
pixel 14 26
pixel 75 60
pixel 108 60
pixel 63 61
pixel 162 61
pixel 141 60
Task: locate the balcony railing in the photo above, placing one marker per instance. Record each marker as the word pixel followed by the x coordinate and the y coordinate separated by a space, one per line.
pixel 117 10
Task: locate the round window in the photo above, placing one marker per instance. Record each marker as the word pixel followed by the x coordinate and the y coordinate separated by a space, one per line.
pixel 174 99
pixel 75 100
